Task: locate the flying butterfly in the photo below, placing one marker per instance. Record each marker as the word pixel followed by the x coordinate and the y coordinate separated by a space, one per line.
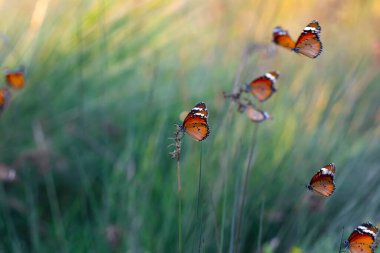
pixel 256 115
pixel 263 87
pixel 5 96
pixel 322 182
pixel 281 37
pixel 362 239
pixel 15 77
pixel 308 43
pixel 195 123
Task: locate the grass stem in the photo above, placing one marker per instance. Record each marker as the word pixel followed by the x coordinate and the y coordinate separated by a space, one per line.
pixel 199 216
pixel 341 239
pixel 247 172
pixel 259 237
pixel 179 222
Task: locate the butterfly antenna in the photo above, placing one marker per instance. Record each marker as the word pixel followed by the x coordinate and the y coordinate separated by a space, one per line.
pixel 341 239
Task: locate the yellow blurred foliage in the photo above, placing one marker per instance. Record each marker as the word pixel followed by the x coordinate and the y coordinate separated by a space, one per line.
pixel 296 249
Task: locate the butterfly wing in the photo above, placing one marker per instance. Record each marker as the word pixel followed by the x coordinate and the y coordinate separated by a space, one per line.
pixel 195 123
pixel 264 86
pixel 5 96
pixel 322 185
pixel 369 226
pixel 15 78
pixel 256 115
pixel 309 43
pixel 282 38
pixel 360 241
pixel 360 248
pixel 330 167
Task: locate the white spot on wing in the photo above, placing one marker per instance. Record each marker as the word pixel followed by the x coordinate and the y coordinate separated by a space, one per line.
pixel 271 77
pixel 364 230
pixel 325 171
pixel 200 114
pixel 308 28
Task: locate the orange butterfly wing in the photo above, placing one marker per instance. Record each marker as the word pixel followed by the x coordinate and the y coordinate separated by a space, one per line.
pixel 360 242
pixel 360 248
pixel 5 96
pixel 256 115
pixel 282 38
pixel 309 43
pixel 15 78
pixel 322 185
pixel 195 123
pixel 263 87
pixel 322 182
pixel 362 239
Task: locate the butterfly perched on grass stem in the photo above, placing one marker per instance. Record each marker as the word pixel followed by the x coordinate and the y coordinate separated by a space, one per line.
pixel 263 87
pixel 322 182
pixel 362 239
pixel 15 77
pixel 308 43
pixel 195 123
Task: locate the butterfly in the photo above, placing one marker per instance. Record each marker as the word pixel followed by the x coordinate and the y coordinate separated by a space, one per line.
pixel 256 115
pixel 195 123
pixel 5 96
pixel 322 182
pixel 308 43
pixel 263 87
pixel 362 239
pixel 15 77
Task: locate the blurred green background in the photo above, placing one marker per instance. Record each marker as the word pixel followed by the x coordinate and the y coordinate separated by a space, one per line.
pixel 89 135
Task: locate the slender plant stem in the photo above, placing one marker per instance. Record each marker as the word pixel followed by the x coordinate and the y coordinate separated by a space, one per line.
pixel 179 222
pixel 259 237
pixel 247 172
pixel 223 217
pixel 178 175
pixel 178 153
pixel 233 222
pixel 199 217
pixel 341 239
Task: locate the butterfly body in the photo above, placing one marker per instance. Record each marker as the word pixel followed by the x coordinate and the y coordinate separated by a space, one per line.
pixel 322 182
pixel 195 123
pixel 308 43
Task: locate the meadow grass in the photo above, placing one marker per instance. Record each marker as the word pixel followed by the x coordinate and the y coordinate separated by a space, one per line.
pixel 106 82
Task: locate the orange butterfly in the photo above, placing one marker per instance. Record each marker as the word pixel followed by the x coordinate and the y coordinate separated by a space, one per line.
pixel 5 96
pixel 282 38
pixel 308 43
pixel 256 115
pixel 322 182
pixel 362 239
pixel 15 78
pixel 195 123
pixel 263 87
